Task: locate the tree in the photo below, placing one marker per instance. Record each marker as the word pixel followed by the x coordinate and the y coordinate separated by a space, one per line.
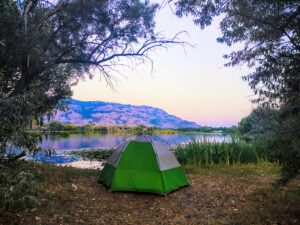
pixel 270 33
pixel 260 125
pixel 55 126
pixel 89 127
pixel 47 46
pixel 102 129
pixel 69 127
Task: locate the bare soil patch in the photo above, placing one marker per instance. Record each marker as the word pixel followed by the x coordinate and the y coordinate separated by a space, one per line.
pixel 73 196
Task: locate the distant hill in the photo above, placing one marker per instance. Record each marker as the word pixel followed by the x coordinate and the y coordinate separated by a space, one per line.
pixel 107 113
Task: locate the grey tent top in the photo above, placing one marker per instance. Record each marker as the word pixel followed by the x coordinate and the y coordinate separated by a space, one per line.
pixel 166 158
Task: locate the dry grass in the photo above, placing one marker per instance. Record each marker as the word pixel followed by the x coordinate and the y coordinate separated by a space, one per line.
pixel 215 196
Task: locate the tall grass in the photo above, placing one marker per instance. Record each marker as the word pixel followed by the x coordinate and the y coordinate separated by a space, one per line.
pixel 235 151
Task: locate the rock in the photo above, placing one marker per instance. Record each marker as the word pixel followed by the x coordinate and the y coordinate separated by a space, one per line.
pixel 74 187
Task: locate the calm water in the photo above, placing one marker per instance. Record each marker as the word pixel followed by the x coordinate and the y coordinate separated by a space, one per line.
pixel 106 141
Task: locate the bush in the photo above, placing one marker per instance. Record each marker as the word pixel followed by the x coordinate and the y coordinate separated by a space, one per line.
pixel 92 154
pixel 64 133
pixel 102 129
pixel 18 190
pixel 69 127
pixel 89 127
pixel 55 126
pixel 275 134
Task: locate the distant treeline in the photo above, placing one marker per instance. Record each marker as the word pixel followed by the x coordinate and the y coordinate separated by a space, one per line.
pixel 228 130
pixel 65 129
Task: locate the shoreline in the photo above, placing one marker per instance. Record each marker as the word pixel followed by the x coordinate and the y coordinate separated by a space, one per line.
pixel 84 164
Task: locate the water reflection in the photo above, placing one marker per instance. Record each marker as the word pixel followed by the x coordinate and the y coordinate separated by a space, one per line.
pixel 57 158
pixel 106 141
pixel 172 139
pixel 79 141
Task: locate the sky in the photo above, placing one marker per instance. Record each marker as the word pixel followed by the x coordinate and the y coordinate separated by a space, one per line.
pixel 189 82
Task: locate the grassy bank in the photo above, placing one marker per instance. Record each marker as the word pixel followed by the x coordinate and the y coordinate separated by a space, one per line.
pixel 218 194
pixel 203 152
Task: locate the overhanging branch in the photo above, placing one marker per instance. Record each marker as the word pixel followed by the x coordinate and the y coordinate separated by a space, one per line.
pixel 126 51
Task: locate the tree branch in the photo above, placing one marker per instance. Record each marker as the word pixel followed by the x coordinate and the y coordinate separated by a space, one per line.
pixel 270 24
pixel 56 9
pixel 125 52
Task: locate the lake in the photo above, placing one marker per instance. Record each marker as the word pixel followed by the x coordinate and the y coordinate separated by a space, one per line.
pixel 106 141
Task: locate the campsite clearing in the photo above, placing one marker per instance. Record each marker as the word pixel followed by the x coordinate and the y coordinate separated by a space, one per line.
pixel 217 195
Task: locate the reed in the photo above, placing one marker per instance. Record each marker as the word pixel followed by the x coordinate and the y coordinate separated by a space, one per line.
pixel 234 151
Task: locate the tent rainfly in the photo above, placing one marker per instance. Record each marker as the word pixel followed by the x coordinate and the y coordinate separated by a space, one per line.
pixel 143 165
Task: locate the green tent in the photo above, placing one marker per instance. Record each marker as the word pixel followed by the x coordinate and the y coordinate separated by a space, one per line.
pixel 142 164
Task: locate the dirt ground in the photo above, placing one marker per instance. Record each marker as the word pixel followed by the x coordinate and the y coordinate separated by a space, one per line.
pixel 210 199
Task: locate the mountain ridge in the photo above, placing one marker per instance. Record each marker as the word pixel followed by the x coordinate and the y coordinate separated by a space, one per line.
pixel 111 113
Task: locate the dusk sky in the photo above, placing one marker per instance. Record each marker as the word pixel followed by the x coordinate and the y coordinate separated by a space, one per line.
pixel 191 82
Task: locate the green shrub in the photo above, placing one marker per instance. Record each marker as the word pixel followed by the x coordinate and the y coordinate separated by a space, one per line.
pixel 69 127
pixel 64 133
pixel 77 132
pixel 92 154
pixel 32 133
pixel 55 125
pixel 18 190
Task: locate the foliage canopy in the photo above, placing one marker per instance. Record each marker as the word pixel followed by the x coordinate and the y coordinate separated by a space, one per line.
pixel 260 124
pixel 269 32
pixel 47 46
